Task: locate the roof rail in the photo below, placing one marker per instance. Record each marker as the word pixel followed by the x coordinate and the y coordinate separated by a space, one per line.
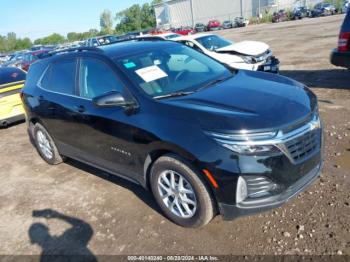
pixel 75 49
pixel 141 38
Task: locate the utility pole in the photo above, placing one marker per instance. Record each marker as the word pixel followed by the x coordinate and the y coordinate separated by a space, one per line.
pixel 241 8
pixel 192 14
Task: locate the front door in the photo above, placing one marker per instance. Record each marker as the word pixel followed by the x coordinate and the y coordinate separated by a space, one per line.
pixel 103 136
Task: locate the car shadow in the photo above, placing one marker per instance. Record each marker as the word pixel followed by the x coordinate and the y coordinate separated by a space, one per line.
pixel 143 194
pixel 72 245
pixel 331 78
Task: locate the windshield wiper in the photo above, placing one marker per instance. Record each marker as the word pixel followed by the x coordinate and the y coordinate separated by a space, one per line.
pixel 175 94
pixel 214 82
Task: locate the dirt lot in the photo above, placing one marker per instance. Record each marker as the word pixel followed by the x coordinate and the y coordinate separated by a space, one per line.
pixel 117 217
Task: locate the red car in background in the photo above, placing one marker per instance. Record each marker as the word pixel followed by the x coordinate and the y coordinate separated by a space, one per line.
pixel 184 30
pixel 30 57
pixel 214 25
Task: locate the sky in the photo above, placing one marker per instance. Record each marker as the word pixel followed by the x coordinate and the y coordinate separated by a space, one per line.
pixel 39 18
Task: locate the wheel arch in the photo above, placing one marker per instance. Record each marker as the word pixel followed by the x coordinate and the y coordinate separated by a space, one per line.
pixel 168 148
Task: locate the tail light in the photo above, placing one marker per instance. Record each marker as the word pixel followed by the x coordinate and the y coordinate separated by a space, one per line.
pixel 344 42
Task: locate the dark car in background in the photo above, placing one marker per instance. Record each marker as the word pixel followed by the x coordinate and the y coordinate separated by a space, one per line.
pixel 323 9
pixel 240 22
pixel 214 25
pixel 15 60
pixel 201 137
pixel 341 55
pixel 30 57
pixel 200 27
pixel 301 12
pixel 280 16
pixel 101 40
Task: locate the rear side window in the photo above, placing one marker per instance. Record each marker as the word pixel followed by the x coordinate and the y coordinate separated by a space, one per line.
pixel 60 77
pixel 10 75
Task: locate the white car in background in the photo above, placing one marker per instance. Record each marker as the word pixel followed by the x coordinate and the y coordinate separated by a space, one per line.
pixel 249 55
pixel 165 36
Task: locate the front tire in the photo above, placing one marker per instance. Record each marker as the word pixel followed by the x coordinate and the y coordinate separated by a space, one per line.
pixel 46 146
pixel 180 192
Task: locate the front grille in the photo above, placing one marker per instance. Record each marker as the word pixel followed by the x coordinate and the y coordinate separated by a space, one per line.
pixel 302 147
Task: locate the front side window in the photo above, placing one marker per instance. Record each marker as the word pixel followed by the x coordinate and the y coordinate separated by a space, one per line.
pixel 171 69
pixel 213 42
pixel 96 78
pixel 60 77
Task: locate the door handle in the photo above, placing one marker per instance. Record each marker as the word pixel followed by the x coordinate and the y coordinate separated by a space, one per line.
pixel 80 108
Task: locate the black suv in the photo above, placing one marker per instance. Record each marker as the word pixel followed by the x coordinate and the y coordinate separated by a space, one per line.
pixel 205 139
pixel 341 55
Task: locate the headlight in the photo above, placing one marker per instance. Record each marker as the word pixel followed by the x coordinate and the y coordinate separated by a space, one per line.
pixel 248 59
pixel 249 150
pixel 246 143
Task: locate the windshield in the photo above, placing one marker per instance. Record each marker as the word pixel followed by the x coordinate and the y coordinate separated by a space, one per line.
pixel 176 68
pixel 172 36
pixel 213 42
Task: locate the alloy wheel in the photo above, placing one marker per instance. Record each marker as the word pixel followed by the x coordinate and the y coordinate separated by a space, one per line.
pixel 44 144
pixel 177 194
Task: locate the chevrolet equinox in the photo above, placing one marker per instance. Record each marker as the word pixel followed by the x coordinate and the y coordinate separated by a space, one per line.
pixel 203 138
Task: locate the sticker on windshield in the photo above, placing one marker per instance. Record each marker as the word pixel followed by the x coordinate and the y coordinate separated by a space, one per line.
pixel 129 65
pixel 151 73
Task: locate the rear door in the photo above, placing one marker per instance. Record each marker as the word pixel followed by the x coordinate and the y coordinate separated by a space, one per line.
pixel 57 94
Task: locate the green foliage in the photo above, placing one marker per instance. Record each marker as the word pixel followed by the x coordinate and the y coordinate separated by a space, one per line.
pixel 289 13
pixel 136 18
pixel 10 43
pixel 73 36
pixel 106 22
pixel 50 40
pixel 266 18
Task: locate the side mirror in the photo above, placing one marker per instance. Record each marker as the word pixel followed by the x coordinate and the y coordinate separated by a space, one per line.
pixel 111 99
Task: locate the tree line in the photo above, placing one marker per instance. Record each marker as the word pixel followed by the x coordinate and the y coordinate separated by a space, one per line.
pixel 135 18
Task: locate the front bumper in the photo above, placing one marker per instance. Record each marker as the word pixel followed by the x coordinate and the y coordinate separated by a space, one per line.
pixel 271 66
pixel 250 207
pixel 340 59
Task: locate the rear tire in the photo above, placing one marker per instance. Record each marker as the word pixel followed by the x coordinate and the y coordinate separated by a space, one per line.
pixel 180 192
pixel 46 146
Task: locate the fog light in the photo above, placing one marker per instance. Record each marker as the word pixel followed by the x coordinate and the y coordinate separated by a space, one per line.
pixel 242 191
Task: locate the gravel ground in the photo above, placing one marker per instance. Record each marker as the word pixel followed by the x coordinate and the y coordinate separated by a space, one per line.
pixel 94 212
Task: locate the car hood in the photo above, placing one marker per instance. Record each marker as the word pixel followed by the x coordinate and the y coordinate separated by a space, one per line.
pixel 249 100
pixel 252 48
